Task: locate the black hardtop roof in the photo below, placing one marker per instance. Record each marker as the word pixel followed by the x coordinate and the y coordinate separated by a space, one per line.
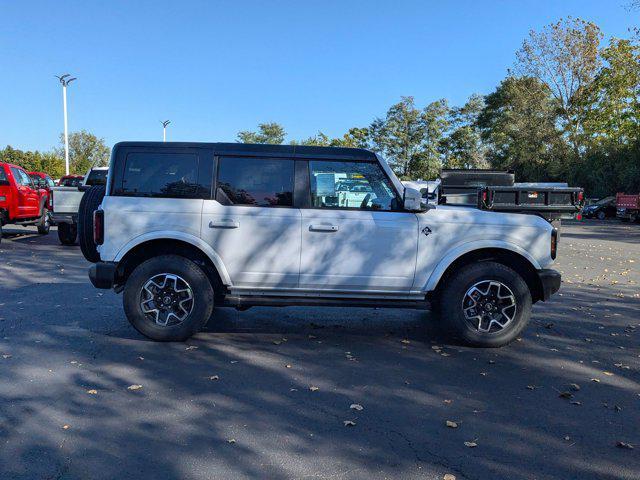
pixel 254 149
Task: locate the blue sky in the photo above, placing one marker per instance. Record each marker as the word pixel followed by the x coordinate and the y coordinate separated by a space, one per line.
pixel 217 67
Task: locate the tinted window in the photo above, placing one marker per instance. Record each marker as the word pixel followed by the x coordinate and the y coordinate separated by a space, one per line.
pixel 351 185
pixel 255 181
pixel 3 176
pixel 70 181
pixel 49 181
pixel 161 175
pixel 97 177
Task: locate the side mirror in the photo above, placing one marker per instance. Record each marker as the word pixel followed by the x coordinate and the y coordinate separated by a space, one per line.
pixel 413 201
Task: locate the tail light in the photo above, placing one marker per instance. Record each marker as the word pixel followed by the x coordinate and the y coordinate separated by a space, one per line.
pixel 554 243
pixel 580 196
pixel 98 227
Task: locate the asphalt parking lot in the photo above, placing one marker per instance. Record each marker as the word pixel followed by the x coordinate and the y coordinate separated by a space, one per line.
pixel 266 393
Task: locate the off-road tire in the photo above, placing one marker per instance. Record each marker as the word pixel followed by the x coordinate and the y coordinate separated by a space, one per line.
pixel 203 298
pixel 67 233
pixel 89 204
pixel 453 293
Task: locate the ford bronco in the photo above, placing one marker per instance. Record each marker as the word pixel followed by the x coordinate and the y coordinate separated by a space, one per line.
pixel 181 228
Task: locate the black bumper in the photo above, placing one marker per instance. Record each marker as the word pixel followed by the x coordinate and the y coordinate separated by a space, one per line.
pixel 550 281
pixel 103 274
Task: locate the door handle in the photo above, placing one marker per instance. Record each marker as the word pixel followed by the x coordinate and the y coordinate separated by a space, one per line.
pixel 224 224
pixel 323 227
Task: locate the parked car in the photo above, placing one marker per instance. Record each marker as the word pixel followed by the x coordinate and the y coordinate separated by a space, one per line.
pixel 601 209
pixel 66 201
pixel 628 207
pixel 70 181
pixel 183 227
pixel 21 201
pixel 44 181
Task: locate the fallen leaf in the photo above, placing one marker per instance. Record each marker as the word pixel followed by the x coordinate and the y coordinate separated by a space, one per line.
pixel 288 366
pixel 231 440
pixel 134 387
pixel 531 387
pixel 448 476
pixel 575 387
pixel 624 445
pixel 92 392
pixel 451 424
pixel 313 388
pixel 191 347
pixel 447 401
pixel 66 427
pixel 356 406
pixel 608 374
pixel 277 342
pixel 405 341
pixel 470 444
pixel 567 395
pixel 214 377
pixel 6 355
pixel 349 423
pixel 597 380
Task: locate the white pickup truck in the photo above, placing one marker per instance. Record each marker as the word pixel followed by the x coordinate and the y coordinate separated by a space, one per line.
pixel 66 203
pixel 186 227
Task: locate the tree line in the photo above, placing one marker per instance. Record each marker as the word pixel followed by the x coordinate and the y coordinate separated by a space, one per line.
pixel 85 151
pixel 568 111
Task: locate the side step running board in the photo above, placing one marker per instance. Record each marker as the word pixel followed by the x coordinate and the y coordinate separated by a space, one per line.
pixel 242 302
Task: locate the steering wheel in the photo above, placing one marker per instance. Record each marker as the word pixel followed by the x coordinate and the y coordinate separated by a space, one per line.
pixel 365 200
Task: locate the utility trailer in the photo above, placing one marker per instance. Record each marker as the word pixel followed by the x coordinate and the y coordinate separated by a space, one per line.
pixel 627 207
pixel 497 191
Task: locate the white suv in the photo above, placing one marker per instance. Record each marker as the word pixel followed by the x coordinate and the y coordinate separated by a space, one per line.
pixel 186 227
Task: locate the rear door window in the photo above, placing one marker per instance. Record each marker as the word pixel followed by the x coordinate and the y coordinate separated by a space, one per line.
pixel 21 177
pixel 164 175
pixel 3 176
pixel 260 182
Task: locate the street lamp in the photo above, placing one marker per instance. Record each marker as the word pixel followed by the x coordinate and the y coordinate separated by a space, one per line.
pixel 164 129
pixel 65 80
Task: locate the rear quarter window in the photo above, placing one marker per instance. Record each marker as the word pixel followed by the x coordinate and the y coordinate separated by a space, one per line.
pixel 161 175
pixel 3 176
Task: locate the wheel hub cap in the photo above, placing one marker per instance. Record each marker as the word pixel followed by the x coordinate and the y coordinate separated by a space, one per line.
pixel 489 306
pixel 166 299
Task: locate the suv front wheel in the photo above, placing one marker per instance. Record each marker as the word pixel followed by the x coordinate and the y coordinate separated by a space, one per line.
pixel 168 298
pixel 485 304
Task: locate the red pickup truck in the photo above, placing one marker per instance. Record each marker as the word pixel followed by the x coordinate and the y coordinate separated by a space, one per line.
pixel 628 207
pixel 21 202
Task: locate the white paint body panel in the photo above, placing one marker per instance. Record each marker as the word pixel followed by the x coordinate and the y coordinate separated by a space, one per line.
pixel 368 250
pixel 261 246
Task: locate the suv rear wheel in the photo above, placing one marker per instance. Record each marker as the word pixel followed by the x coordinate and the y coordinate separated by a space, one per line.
pixel 168 298
pixel 486 304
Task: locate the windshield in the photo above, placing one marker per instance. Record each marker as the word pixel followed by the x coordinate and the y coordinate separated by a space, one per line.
pixel 70 181
pixel 97 177
pixel 604 201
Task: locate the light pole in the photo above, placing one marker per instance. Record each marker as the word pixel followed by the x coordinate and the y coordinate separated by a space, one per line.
pixel 164 129
pixel 64 80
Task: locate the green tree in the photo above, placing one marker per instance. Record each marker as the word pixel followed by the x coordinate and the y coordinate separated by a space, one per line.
pixel 463 147
pixel 272 133
pixel 564 56
pixel 85 151
pixel 612 100
pixel 401 135
pixel 518 126
pixel 36 161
